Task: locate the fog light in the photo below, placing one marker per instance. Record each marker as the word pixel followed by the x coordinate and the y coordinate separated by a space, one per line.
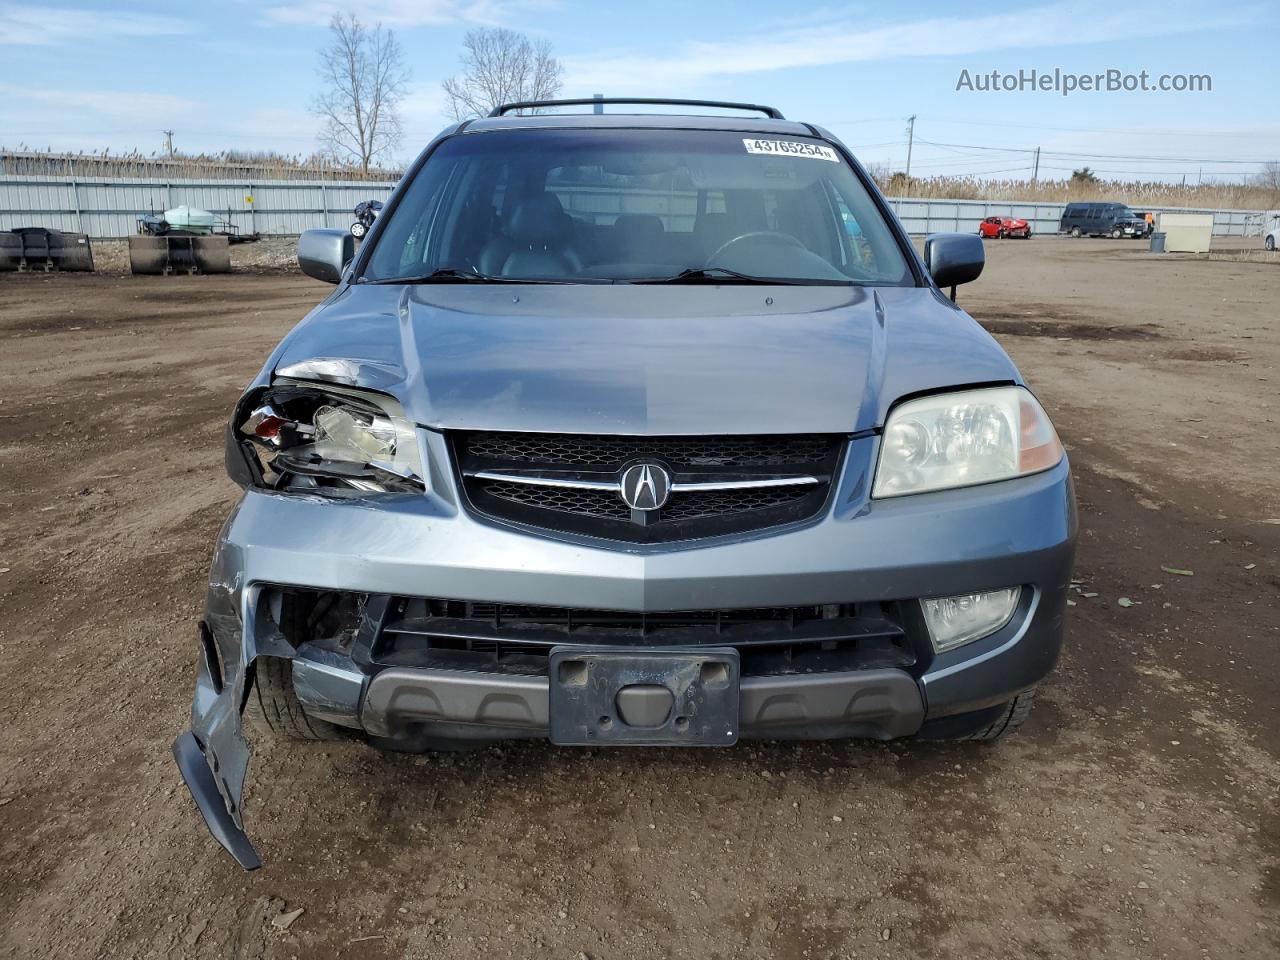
pixel 956 620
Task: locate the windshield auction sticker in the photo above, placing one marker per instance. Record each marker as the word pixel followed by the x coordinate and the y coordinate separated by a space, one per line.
pixel 790 148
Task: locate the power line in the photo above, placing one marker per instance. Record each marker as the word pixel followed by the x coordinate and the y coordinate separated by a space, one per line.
pixel 1096 156
pixel 1154 131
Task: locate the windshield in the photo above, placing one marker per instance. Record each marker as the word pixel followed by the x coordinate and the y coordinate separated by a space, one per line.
pixel 637 205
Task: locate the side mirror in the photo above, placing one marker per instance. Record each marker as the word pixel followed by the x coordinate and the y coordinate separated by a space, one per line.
pixel 954 258
pixel 324 253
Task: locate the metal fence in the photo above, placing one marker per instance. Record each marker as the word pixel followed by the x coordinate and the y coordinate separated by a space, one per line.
pixel 105 208
pixel 108 207
pixel 922 216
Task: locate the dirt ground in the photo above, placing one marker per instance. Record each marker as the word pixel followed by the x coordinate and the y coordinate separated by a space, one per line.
pixel 1135 817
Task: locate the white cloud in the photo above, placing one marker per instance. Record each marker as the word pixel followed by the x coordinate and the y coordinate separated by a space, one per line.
pixel 152 108
pixel 398 13
pixel 31 25
pixel 853 40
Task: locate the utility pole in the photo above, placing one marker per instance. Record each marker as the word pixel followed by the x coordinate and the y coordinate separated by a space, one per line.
pixel 168 142
pixel 911 136
pixel 1035 172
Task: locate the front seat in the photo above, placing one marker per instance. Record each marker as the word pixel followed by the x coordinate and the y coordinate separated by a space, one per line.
pixel 536 242
pixel 638 238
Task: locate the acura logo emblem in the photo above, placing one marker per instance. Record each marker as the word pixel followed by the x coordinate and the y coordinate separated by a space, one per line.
pixel 644 486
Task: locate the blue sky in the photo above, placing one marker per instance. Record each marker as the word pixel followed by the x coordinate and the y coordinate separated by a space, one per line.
pixel 88 75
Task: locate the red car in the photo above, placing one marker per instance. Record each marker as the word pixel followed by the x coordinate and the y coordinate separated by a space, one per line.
pixel 1001 227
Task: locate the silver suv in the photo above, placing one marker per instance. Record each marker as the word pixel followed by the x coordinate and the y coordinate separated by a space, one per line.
pixel 622 429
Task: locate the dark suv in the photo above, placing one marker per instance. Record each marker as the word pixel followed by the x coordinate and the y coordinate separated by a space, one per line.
pixel 1102 220
pixel 624 429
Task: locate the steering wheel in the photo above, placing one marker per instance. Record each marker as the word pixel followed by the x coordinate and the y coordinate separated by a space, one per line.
pixel 773 236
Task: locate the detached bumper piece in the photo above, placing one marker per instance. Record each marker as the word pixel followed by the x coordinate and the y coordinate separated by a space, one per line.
pixel 199 780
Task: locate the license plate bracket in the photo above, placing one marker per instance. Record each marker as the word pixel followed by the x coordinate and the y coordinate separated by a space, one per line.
pixel 644 696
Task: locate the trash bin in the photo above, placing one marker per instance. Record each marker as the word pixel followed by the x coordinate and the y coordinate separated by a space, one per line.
pixel 1157 243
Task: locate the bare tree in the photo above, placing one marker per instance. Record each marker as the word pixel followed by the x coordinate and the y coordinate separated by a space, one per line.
pixel 1269 178
pixel 364 79
pixel 501 66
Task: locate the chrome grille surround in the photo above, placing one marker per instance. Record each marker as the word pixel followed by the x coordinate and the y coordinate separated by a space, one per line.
pixel 718 485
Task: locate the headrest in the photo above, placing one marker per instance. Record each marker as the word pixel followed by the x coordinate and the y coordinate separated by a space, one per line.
pixel 538 220
pixel 640 227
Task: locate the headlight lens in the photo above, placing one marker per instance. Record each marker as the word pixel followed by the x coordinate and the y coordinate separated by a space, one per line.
pixel 964 438
pixel 329 439
pixel 953 621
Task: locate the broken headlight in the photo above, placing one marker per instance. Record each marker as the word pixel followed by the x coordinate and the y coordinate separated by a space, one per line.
pixel 322 438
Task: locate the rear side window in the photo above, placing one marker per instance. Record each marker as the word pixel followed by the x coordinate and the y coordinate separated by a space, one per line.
pixel 617 205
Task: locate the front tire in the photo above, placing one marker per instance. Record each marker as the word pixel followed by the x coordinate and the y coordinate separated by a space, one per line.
pixel 1270 242
pixel 1117 234
pixel 1075 232
pixel 988 724
pixel 1013 716
pixel 273 708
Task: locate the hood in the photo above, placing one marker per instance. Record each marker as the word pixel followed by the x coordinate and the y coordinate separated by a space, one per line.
pixel 639 359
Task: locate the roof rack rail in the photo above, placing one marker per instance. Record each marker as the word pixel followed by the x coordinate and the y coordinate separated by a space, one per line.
pixel 773 113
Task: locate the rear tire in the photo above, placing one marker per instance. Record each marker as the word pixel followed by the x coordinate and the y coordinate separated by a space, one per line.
pixel 1270 242
pixel 1075 232
pixel 273 708
pixel 358 230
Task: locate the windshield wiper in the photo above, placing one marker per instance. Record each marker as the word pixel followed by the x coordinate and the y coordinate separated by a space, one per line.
pixel 454 275
pixel 713 275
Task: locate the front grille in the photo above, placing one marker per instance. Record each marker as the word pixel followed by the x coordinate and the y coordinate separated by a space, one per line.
pixel 688 513
pixel 716 503
pixel 586 503
pixel 596 452
pixel 518 638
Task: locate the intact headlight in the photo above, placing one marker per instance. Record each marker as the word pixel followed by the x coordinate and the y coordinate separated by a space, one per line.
pixel 329 439
pixel 964 438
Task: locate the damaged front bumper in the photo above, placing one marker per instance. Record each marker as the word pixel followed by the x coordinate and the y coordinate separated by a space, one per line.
pixel 213 756
pixel 1018 532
